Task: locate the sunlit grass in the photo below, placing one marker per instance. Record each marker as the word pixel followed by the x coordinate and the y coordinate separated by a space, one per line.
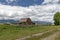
pixel 11 32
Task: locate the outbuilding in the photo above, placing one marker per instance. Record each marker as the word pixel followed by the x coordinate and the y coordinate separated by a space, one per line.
pixel 26 21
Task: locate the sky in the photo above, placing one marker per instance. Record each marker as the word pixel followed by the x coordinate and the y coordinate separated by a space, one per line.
pixel 37 10
pixel 21 2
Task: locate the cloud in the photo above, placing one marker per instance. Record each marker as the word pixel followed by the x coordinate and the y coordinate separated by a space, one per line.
pixel 51 2
pixel 9 1
pixel 36 13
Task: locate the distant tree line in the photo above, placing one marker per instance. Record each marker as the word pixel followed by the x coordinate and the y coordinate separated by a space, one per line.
pixel 57 18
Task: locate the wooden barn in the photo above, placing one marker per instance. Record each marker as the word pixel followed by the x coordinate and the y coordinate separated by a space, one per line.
pixel 26 21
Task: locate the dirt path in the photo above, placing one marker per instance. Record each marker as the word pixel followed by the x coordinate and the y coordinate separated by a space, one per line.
pixel 38 34
pixel 51 37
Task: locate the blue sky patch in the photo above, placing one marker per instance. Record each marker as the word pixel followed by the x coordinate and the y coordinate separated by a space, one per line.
pixel 22 2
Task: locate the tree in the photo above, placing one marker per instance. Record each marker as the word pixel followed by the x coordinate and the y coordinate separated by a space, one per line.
pixel 57 18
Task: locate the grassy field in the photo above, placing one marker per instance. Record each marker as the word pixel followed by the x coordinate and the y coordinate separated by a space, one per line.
pixel 58 37
pixel 11 32
pixel 42 36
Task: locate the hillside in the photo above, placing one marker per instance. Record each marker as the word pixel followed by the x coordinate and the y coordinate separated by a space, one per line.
pixel 36 22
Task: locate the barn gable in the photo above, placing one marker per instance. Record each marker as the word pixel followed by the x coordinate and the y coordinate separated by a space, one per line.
pixel 26 21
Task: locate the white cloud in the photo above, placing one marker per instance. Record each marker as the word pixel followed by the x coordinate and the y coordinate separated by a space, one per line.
pixel 50 1
pixel 9 1
pixel 37 12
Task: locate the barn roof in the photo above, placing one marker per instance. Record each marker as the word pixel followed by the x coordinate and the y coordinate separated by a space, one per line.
pixel 24 19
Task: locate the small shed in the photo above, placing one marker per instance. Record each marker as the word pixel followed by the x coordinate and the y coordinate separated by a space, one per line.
pixel 26 21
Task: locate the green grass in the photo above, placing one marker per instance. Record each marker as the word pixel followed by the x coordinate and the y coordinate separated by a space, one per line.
pixel 10 32
pixel 42 36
